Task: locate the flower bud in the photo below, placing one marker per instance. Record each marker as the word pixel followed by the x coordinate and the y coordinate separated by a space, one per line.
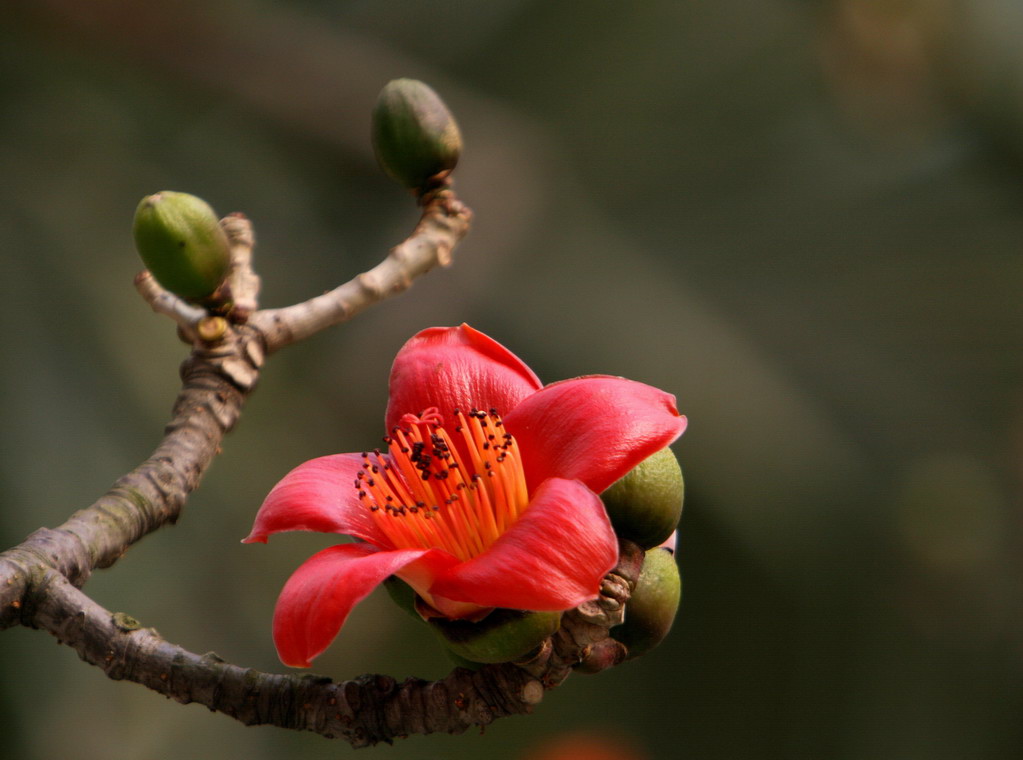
pixel 651 609
pixel 646 503
pixel 415 137
pixel 502 636
pixel 180 241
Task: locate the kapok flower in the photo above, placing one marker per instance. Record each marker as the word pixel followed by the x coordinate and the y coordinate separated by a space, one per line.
pixel 485 495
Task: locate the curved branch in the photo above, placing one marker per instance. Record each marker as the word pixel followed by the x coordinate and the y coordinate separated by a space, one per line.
pixel 216 381
pixel 365 711
pixel 445 221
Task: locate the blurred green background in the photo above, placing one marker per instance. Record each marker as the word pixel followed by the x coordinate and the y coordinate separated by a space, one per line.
pixel 803 218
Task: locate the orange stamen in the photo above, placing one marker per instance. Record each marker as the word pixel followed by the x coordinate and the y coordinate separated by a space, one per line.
pixel 431 492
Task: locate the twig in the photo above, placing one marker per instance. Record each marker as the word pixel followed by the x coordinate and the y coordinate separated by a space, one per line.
pixel 445 221
pixel 243 283
pixel 164 302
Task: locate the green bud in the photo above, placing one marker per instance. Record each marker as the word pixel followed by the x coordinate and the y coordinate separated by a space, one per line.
pixel 502 636
pixel 180 241
pixel 415 137
pixel 651 609
pixel 645 505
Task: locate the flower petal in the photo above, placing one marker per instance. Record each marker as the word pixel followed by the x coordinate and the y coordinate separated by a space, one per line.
pixel 319 595
pixel 593 428
pixel 449 367
pixel 318 495
pixel 553 558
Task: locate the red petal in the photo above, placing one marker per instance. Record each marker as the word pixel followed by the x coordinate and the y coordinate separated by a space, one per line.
pixel 594 429
pixel 553 558
pixel 319 595
pixel 318 495
pixel 449 367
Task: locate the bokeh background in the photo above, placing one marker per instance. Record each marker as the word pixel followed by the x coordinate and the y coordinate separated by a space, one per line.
pixel 803 218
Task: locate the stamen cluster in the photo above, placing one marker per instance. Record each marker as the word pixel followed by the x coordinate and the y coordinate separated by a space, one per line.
pixel 458 492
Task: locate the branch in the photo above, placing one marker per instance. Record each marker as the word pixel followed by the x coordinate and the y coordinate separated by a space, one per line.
pixel 216 381
pixel 445 221
pixel 368 710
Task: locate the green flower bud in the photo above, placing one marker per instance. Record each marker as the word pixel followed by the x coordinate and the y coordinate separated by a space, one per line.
pixel 180 241
pixel 415 137
pixel 651 609
pixel 502 636
pixel 645 505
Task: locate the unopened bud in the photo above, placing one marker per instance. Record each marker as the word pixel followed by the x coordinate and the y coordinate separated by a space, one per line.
pixel 180 241
pixel 415 137
pixel 502 636
pixel 651 609
pixel 645 505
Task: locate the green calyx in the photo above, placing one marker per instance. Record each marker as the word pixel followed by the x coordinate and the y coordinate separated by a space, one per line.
pixel 179 239
pixel 415 137
pixel 645 505
pixel 651 609
pixel 502 636
pixel 402 595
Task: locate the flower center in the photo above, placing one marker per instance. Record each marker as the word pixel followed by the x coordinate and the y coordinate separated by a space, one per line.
pixel 456 492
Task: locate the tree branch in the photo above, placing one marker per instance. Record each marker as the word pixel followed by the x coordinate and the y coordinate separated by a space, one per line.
pixel 445 221
pixel 365 711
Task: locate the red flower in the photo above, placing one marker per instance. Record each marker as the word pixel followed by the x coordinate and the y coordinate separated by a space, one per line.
pixel 486 495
